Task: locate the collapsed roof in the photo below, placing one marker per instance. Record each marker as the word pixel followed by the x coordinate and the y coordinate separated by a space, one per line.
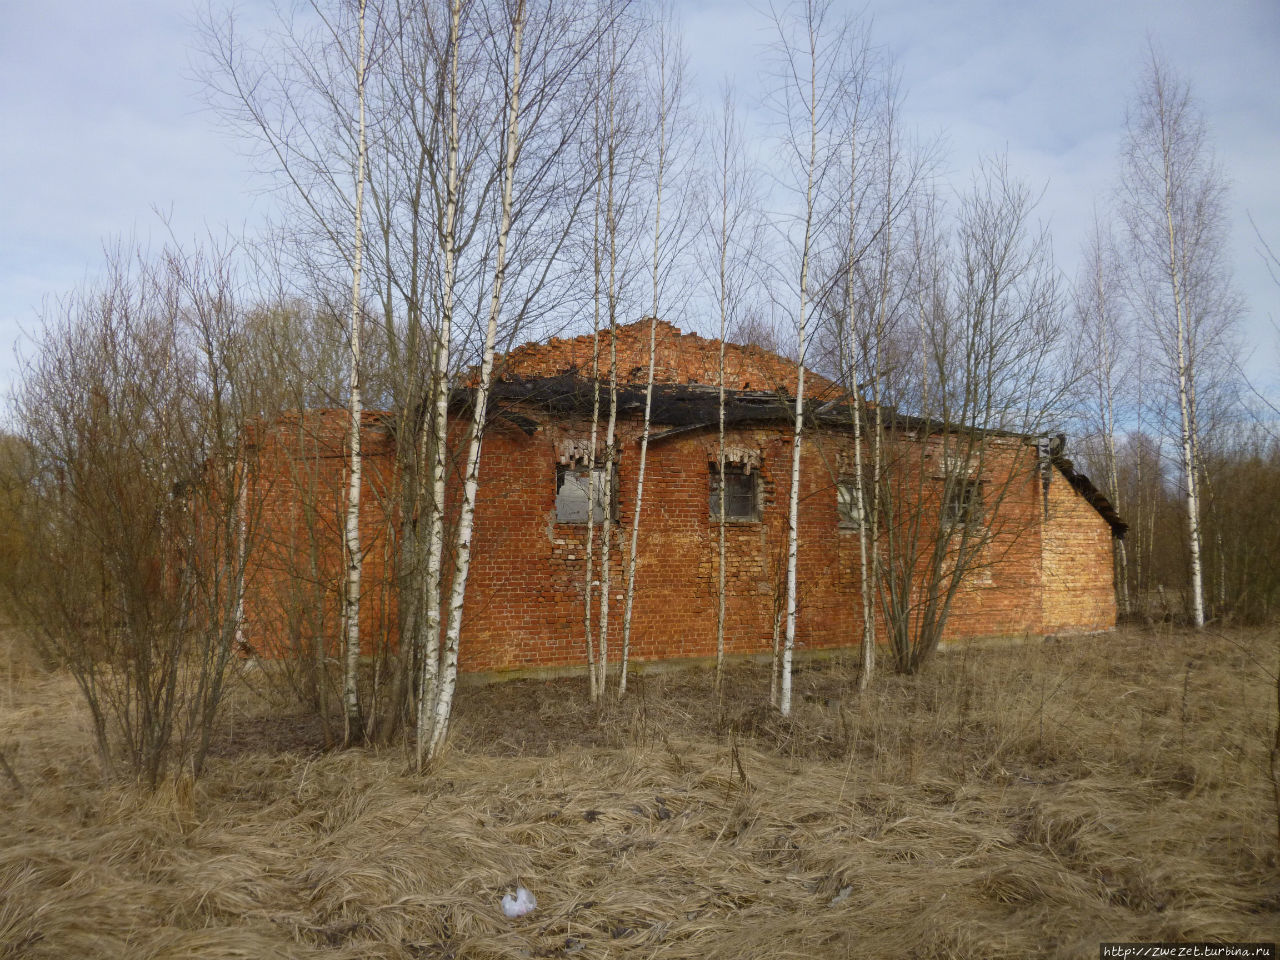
pixel 555 375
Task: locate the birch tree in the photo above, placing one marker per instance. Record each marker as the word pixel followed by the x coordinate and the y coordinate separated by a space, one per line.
pixel 1107 356
pixel 439 89
pixel 734 230
pixel 612 229
pixel 611 428
pixel 540 55
pixel 869 292
pixel 353 726
pixel 1173 202
pixel 810 73
pixel 668 68
pixel 588 586
pixel 603 131
pixel 618 165
pixel 302 98
pixel 435 451
pixel 462 556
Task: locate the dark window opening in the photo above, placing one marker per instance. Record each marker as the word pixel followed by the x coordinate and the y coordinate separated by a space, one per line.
pixel 963 503
pixel 740 488
pixel 576 487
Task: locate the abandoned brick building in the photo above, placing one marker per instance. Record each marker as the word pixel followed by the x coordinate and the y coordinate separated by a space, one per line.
pixel 1049 571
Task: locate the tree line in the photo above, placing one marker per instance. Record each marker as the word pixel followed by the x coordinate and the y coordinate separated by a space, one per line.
pixel 1166 417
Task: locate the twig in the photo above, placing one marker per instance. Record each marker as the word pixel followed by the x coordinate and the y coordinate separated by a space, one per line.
pixel 1275 759
pixel 737 758
pixel 13 777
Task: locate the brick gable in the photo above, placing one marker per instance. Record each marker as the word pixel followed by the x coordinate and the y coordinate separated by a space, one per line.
pixel 680 358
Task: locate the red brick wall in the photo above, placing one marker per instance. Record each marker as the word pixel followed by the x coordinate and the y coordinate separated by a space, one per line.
pixel 525 598
pixel 998 589
pixel 1079 563
pixel 295 520
pixel 525 593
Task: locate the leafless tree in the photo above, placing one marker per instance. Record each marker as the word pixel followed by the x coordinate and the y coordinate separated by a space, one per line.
pixel 438 91
pixel 867 299
pixel 1107 356
pixel 1173 202
pixel 673 150
pixel 618 163
pixel 353 727
pixel 447 677
pixel 734 229
pixel 990 380
pixel 597 297
pixel 813 72
pixel 136 412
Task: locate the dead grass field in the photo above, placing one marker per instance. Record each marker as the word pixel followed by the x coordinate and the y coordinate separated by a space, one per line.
pixel 1013 802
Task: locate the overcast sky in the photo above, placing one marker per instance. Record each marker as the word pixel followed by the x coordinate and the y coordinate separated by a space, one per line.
pixel 104 123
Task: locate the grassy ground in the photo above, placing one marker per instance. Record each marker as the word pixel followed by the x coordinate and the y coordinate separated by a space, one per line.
pixel 1012 802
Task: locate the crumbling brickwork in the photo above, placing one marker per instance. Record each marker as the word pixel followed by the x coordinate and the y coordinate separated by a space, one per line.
pixel 684 358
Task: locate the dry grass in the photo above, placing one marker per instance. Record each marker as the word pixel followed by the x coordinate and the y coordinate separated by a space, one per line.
pixel 1012 802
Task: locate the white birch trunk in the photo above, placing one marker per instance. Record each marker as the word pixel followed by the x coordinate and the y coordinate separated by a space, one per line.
pixel 447 682
pixel 1175 209
pixel 438 470
pixel 873 521
pixel 720 577
pixel 603 172
pixel 648 391
pixel 351 598
pixel 639 503
pixel 610 452
pixel 793 508
pixel 1192 496
pixel 588 587
pixel 606 528
pixel 1185 388
pixel 793 519
pixel 868 615
pixel 668 92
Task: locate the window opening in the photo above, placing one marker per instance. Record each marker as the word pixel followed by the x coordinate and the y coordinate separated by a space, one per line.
pixel 963 505
pixel 740 487
pixel 576 487
pixel 847 503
